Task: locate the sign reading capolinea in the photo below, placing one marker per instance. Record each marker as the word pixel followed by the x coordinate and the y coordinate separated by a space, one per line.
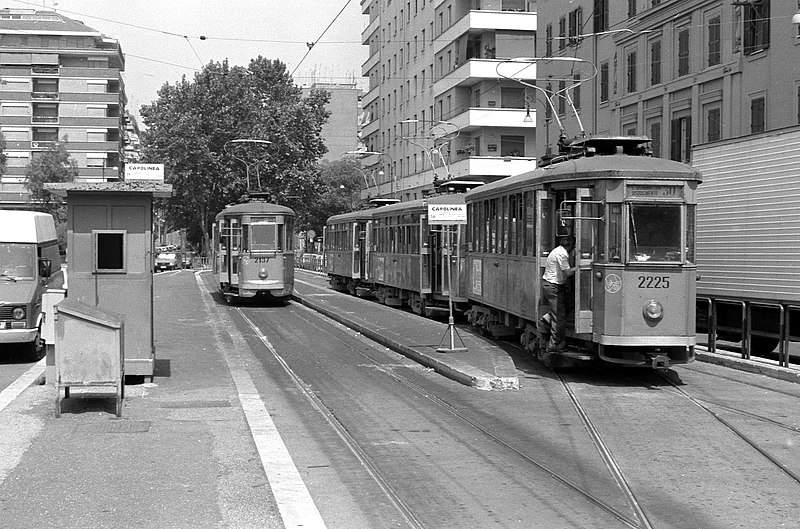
pixel 144 171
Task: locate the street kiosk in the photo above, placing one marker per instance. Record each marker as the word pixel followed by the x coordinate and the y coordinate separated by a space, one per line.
pixel 110 258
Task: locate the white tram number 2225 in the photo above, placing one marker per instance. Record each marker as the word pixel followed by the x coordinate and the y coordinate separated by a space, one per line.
pixel 653 282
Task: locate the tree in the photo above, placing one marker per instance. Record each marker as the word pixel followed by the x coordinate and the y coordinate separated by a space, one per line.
pixel 53 166
pixel 191 122
pixel 342 183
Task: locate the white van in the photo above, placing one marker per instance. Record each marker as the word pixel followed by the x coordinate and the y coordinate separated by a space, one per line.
pixel 28 256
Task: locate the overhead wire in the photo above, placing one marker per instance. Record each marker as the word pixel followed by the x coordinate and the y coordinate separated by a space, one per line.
pixel 312 44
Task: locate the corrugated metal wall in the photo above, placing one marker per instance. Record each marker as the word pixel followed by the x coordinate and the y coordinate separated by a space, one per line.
pixel 748 217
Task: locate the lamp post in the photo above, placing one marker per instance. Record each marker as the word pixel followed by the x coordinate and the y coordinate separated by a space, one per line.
pixel 439 141
pixel 364 154
pixel 253 142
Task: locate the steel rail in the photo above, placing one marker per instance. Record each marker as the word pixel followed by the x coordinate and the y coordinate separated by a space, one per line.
pixel 363 458
pixel 622 517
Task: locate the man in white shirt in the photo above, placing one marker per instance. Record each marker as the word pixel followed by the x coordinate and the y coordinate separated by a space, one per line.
pixel 554 289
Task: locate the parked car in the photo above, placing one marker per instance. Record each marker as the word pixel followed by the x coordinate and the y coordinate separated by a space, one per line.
pixel 167 261
pixel 188 259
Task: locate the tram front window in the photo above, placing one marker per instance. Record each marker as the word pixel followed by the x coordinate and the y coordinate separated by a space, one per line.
pixel 264 238
pixel 654 232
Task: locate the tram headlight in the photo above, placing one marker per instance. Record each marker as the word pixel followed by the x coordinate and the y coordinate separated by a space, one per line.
pixel 18 313
pixel 653 311
pixel 262 274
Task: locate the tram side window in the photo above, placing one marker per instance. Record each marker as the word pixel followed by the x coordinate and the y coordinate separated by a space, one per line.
pixel 288 236
pixel 615 233
pixel 655 232
pixel 530 223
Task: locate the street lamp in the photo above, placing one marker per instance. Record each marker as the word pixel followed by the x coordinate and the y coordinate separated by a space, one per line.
pixel 443 140
pixel 364 154
pixel 248 141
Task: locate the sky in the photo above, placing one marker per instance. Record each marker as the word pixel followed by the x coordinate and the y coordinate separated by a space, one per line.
pixel 161 38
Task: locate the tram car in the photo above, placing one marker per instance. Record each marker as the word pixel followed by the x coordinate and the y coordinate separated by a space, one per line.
pixel 393 253
pixel 253 247
pixel 633 217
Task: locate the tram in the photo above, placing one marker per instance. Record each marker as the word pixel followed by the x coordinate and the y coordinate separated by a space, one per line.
pixel 393 253
pixel 633 217
pixel 253 251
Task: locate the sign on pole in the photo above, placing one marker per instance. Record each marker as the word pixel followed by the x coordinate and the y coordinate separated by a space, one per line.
pixel 144 171
pixel 447 214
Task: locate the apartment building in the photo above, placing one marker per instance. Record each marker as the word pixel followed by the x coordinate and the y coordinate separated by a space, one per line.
pixel 683 72
pixel 340 132
pixel 58 79
pixel 442 101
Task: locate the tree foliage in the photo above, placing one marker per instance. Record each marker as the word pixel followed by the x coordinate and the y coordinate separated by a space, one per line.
pixel 342 183
pixel 190 127
pixel 54 165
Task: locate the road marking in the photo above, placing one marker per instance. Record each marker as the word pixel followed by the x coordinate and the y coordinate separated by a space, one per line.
pixel 294 502
pixel 14 389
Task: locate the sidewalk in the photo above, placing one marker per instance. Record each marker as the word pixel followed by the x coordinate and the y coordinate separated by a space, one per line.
pixel 181 455
pixel 482 365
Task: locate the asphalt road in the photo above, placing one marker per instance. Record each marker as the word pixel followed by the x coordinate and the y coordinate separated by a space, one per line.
pixel 379 441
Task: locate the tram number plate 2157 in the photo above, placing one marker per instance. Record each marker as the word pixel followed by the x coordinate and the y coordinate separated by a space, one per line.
pixel 653 282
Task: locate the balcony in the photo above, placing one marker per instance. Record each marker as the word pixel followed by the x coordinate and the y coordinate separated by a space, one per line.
pixel 475 70
pixel 44 96
pixel 44 119
pixel 370 29
pixel 492 166
pixel 475 118
pixel 477 21
pixel 42 144
pixel 370 63
pixel 44 70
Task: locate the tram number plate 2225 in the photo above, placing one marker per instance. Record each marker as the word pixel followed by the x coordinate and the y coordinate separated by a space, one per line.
pixel 653 281
pixel 260 259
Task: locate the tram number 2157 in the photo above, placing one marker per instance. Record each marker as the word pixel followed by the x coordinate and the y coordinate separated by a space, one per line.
pixel 653 282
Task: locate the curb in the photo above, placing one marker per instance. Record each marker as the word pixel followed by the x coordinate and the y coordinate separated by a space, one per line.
pixel 749 366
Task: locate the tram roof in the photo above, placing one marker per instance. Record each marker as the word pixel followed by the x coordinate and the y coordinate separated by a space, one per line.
pixel 400 207
pixel 256 207
pixel 597 167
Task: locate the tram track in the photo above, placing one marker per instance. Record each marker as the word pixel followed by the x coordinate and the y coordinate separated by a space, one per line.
pixel 706 406
pixel 638 521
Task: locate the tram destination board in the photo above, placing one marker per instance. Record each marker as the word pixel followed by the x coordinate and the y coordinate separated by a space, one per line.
pixel 447 214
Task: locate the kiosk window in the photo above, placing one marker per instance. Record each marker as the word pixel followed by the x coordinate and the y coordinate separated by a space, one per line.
pixel 109 251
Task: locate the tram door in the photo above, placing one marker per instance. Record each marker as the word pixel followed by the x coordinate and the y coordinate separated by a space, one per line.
pixel 357 243
pixel 586 235
pixel 545 241
pixel 365 240
pixel 427 261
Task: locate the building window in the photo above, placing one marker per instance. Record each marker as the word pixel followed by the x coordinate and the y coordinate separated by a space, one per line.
pixel 756 27
pixel 562 33
pixel 681 137
pixel 548 40
pixel 757 115
pixel 576 91
pixel 575 25
pixel 655 62
pixel 512 145
pixel 630 71
pixel 512 97
pixel 562 97
pixel 603 82
pixel 600 15
pixel 17 134
pixel 714 41
pixel 654 129
pixel 713 123
pixel 631 8
pixel 683 51
pixel 109 251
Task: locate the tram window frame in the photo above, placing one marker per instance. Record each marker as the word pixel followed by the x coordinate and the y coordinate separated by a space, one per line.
pixel 615 237
pixel 493 222
pixel 691 233
pixel 636 252
pixel 415 226
pixel 512 224
pixel 530 223
pixel 484 238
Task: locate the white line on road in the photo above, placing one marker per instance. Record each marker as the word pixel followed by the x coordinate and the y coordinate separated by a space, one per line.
pixel 294 502
pixel 13 390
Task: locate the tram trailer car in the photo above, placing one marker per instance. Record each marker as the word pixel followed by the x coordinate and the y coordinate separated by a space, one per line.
pixel 392 253
pixel 634 220
pixel 748 234
pixel 253 245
